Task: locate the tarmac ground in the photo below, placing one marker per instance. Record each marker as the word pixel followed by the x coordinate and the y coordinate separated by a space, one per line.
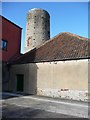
pixel 31 106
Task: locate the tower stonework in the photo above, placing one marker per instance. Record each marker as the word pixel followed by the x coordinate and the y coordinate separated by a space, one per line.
pixel 37 28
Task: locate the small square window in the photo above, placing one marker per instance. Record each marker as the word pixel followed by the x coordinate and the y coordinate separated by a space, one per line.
pixel 4 45
pixel 48 32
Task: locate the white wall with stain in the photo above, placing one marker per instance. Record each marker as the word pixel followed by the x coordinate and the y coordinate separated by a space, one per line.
pixel 61 79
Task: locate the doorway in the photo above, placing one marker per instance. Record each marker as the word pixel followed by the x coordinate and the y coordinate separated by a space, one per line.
pixel 20 82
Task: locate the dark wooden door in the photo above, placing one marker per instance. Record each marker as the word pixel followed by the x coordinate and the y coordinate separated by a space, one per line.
pixel 20 82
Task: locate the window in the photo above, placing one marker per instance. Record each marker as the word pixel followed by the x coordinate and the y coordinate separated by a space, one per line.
pixel 48 32
pixel 4 45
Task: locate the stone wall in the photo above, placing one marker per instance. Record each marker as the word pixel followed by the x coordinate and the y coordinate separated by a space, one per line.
pixel 37 28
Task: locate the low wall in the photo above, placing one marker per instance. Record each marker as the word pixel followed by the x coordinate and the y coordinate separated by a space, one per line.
pixel 62 79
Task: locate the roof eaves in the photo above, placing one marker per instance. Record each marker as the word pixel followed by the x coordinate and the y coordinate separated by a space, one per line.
pixel 11 22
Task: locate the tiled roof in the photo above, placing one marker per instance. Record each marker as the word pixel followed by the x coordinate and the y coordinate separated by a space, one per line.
pixel 64 46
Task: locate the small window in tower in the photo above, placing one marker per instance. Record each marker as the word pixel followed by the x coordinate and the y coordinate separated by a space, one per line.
pixel 34 22
pixel 35 16
pixel 34 33
pixel 34 27
pixel 48 32
pixel 4 45
pixel 45 27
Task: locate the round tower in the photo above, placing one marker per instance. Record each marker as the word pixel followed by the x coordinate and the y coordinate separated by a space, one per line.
pixel 37 28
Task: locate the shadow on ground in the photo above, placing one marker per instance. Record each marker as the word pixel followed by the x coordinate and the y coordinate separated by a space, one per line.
pixel 13 111
pixel 7 96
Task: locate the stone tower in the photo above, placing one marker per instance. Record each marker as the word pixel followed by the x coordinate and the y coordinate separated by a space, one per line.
pixel 37 28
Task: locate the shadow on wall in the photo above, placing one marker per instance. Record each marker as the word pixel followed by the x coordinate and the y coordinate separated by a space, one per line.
pixel 5 76
pixel 32 78
pixel 23 74
pixel 0 77
pixel 31 82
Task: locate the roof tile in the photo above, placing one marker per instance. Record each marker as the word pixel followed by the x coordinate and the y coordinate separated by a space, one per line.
pixel 61 47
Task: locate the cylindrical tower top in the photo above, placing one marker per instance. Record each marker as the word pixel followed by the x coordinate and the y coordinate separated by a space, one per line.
pixel 37 28
pixel 38 9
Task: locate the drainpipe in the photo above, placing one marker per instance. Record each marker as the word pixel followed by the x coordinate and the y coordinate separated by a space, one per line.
pixel 8 68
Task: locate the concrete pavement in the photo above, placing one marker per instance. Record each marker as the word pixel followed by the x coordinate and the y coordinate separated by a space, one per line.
pixel 66 107
pixel 14 111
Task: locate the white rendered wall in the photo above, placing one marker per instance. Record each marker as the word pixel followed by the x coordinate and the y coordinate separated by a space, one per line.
pixel 62 79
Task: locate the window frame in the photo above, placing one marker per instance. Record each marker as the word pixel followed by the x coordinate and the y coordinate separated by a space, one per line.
pixel 2 47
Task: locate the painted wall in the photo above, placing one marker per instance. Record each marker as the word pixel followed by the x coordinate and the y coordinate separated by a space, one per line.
pixel 5 77
pixel 0 78
pixel 67 79
pixel 62 79
pixel 89 79
pixel 12 34
pixel 30 77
